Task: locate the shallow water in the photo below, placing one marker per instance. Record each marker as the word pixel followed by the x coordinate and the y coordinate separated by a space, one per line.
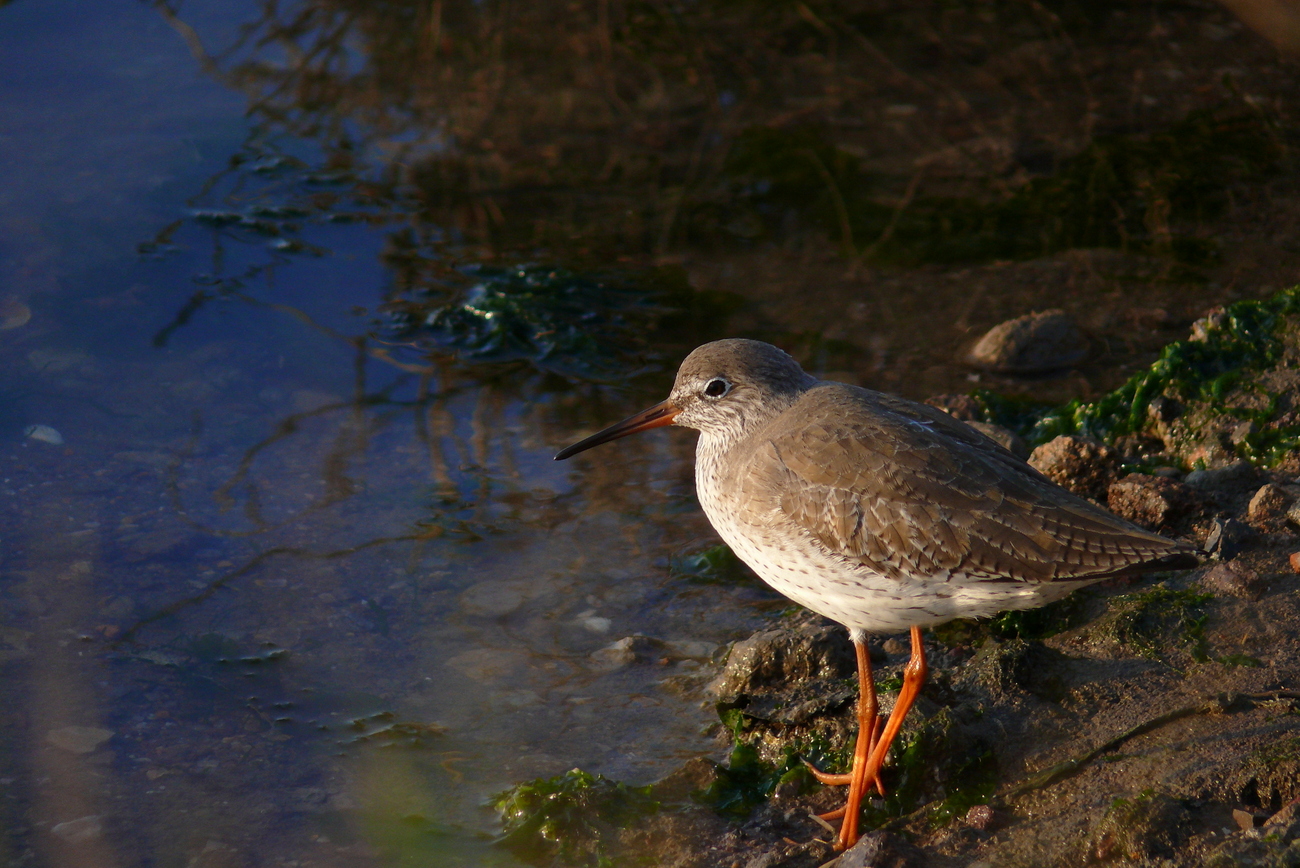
pixel 272 589
pixel 268 600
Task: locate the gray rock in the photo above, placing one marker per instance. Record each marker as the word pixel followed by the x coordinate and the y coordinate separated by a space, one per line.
pixel 1028 344
pixel 1226 538
pixel 629 650
pixel 1236 473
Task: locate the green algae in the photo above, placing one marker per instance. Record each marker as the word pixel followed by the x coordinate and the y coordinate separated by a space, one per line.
pixel 1152 621
pixel 747 780
pixel 1244 338
pixel 571 816
pixel 554 319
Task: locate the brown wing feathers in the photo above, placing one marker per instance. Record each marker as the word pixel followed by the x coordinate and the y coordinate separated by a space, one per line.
pixel 907 493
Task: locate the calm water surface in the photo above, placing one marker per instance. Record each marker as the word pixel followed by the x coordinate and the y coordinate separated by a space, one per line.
pixel 271 599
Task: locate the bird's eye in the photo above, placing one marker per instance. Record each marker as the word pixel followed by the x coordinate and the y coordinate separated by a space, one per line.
pixel 717 387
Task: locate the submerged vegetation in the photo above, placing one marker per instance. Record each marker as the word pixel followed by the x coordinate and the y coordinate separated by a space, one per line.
pixel 569 815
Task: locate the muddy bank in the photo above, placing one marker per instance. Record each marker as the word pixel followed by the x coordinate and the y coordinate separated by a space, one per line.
pixel 1148 722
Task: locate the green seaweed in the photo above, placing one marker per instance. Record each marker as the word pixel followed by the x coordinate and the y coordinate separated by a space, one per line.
pixel 551 318
pixel 569 816
pixel 1245 336
pixel 1161 616
pixel 747 780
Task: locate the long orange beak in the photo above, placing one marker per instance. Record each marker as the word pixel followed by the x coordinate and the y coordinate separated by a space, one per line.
pixel 656 417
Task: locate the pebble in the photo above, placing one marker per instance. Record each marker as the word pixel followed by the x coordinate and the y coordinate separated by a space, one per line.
pixel 1294 560
pixel 1029 344
pixel 1150 501
pixel 980 817
pixel 1269 502
pixel 13 313
pixel 43 433
pixel 1081 464
pixel 1244 819
pixel 1226 538
pixel 78 739
pixel 80 830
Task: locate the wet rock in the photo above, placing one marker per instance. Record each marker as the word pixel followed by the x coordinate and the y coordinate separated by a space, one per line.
pixel 694 775
pixel 781 658
pixel 1028 344
pixel 630 650
pixel 1081 464
pixel 1293 515
pixel 494 599
pixel 1007 439
pixel 1235 580
pixel 1269 505
pixel 43 434
pixel 80 830
pixel 1144 827
pixel 78 739
pixel 1226 538
pixel 1151 501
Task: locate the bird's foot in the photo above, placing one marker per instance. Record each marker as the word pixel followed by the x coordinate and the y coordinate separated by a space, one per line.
pixel 833 780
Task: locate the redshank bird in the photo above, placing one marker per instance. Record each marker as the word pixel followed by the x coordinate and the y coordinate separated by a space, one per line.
pixel 880 513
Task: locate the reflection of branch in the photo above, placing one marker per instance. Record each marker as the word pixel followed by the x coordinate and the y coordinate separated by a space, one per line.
pixel 221 581
pixel 183 316
pixel 191 38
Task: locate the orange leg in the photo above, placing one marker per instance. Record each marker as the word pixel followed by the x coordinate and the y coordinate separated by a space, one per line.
pixel 867 767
